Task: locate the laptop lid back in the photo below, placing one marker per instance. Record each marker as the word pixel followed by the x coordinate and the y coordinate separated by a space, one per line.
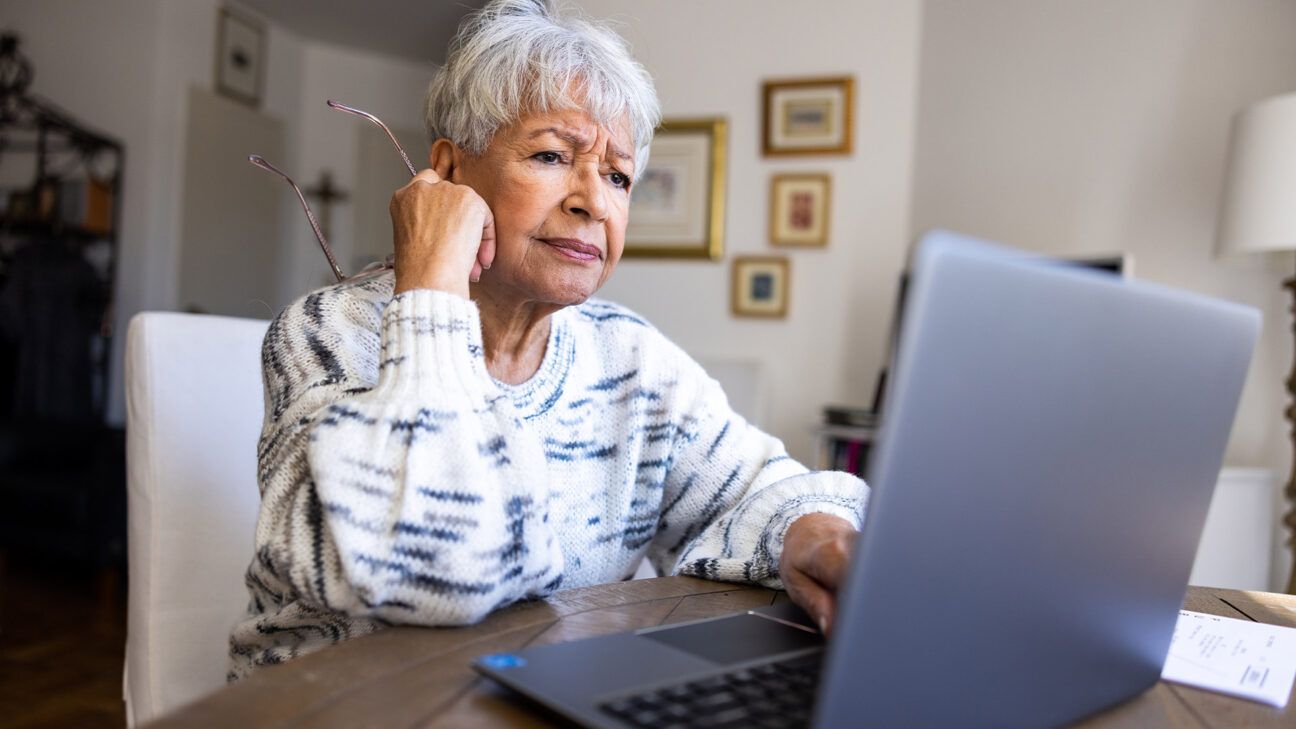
pixel 1052 442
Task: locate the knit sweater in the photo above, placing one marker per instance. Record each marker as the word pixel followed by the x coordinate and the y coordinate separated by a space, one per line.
pixel 401 483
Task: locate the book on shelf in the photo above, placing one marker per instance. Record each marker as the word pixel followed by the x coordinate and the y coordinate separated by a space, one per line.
pixel 849 416
pixel 846 438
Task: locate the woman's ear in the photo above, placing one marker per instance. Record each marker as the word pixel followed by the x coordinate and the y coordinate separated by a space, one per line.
pixel 443 158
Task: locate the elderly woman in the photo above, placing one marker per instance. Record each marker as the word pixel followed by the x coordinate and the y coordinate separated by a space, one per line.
pixel 475 429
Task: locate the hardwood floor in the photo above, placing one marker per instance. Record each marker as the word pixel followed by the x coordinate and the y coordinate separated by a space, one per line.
pixel 62 642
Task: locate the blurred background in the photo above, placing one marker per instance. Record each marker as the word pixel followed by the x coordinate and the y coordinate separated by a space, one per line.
pixel 1094 129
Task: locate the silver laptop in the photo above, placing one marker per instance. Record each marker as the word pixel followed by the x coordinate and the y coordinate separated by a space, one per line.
pixel 1052 440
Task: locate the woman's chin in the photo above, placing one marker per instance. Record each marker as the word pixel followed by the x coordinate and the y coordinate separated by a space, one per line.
pixel 572 287
pixel 571 297
pixel 555 293
pixel 561 285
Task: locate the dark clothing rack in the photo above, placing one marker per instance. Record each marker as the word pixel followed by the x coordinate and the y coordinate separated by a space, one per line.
pixel 62 469
pixel 64 149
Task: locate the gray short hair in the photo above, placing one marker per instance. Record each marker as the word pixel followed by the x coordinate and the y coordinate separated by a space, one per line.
pixel 518 56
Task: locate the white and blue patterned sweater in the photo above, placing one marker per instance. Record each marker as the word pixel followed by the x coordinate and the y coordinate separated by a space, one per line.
pixel 400 483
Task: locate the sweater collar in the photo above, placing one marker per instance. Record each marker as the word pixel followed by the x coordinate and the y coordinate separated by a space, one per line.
pixel 536 395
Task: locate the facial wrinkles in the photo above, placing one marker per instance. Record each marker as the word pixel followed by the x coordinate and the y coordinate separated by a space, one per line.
pixel 589 143
pixel 533 200
pixel 594 155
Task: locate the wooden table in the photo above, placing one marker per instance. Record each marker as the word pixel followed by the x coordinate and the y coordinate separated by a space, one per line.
pixel 420 677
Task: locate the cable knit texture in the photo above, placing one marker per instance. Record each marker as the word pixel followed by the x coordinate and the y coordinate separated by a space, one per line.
pixel 400 483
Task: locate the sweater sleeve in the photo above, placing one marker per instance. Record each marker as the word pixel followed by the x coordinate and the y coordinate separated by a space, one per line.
pixel 397 482
pixel 733 491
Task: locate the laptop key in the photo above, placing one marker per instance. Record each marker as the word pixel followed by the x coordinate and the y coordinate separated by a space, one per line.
pixel 676 693
pixel 750 692
pixel 645 718
pixel 775 721
pixel 709 685
pixel 620 707
pixel 676 712
pixel 715 702
pixel 731 716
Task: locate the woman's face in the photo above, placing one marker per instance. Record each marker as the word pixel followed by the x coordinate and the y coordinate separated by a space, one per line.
pixel 558 185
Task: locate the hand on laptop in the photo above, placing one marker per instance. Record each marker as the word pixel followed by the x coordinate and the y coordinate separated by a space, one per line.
pixel 815 550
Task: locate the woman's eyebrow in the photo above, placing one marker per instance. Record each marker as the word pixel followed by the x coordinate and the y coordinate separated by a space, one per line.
pixel 578 141
pixel 615 151
pixel 570 137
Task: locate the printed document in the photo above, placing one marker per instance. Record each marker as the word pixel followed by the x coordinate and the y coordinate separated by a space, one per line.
pixel 1236 657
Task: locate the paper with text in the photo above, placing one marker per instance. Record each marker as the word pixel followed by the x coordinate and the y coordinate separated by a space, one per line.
pixel 1236 657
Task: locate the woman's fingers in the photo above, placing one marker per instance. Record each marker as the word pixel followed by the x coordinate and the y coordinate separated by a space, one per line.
pixel 443 233
pixel 812 597
pixel 429 176
pixel 486 253
pixel 486 249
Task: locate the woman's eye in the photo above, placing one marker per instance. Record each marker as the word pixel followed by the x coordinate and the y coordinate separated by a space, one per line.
pixel 620 180
pixel 549 157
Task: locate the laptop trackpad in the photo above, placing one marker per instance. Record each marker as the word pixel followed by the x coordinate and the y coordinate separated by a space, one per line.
pixel 735 639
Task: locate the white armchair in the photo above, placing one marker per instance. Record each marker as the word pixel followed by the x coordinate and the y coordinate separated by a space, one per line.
pixel 194 410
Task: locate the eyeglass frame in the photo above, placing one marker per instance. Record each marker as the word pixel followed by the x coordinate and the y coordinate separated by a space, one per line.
pixel 372 268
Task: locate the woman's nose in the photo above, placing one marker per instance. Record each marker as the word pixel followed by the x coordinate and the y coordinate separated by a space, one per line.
pixel 587 195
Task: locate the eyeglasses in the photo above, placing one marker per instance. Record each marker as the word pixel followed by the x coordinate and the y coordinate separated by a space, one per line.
pixel 372 268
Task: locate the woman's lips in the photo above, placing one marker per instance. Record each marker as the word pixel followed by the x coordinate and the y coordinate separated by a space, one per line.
pixel 574 249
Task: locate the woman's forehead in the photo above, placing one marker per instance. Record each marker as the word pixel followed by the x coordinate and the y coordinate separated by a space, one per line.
pixel 576 127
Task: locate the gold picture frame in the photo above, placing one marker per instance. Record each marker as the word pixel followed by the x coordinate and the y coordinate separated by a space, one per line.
pixel 800 209
pixel 808 116
pixel 677 207
pixel 760 286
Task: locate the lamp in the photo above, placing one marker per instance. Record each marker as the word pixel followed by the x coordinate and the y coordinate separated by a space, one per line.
pixel 1259 214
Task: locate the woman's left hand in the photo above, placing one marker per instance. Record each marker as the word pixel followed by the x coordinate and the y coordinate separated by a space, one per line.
pixel 816 549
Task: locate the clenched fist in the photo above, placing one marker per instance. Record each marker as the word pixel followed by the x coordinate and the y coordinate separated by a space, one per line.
pixel 444 235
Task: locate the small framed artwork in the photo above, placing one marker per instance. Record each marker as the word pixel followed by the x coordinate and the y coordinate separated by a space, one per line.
pixel 760 286
pixel 808 116
pixel 799 209
pixel 677 207
pixel 240 57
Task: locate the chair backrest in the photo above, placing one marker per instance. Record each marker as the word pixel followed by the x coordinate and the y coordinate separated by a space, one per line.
pixel 194 410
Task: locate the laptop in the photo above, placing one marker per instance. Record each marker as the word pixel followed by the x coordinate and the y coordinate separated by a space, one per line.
pixel 1052 442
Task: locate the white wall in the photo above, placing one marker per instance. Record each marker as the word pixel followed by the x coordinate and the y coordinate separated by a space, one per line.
pixel 125 68
pixel 328 139
pixel 708 59
pixel 1101 126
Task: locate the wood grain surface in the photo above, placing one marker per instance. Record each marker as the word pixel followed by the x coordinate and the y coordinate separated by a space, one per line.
pixel 420 677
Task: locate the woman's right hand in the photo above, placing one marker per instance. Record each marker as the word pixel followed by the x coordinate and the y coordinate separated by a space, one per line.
pixel 444 235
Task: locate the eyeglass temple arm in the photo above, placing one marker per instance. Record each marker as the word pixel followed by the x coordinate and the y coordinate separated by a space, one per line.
pixel 352 110
pixel 259 161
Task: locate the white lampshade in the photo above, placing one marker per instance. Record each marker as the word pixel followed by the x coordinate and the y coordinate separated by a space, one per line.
pixel 1259 210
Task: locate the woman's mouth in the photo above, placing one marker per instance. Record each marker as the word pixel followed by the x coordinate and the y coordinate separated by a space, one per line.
pixel 574 249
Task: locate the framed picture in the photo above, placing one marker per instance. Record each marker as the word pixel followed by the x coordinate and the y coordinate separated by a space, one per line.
pixel 760 286
pixel 808 116
pixel 240 57
pixel 799 209
pixel 677 207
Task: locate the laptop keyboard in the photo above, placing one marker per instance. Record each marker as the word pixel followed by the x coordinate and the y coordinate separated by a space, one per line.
pixel 768 696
